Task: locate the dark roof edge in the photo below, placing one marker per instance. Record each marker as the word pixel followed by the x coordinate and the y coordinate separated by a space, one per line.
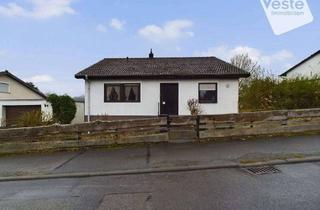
pixel 156 57
pixel 300 63
pixel 155 77
pixel 7 73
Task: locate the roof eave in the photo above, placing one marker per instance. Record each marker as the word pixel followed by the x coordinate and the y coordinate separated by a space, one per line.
pixel 155 77
pixel 300 63
pixel 7 73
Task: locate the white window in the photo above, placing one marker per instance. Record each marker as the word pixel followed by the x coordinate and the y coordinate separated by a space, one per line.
pixel 4 87
pixel 208 93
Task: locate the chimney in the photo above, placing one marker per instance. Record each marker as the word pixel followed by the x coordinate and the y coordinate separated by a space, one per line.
pixel 151 56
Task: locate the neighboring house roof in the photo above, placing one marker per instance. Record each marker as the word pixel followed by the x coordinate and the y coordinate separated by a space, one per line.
pixel 302 62
pixel 79 99
pixel 7 73
pixel 161 68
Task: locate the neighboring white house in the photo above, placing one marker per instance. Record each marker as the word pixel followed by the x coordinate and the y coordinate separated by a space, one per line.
pixel 141 87
pixel 308 68
pixel 17 98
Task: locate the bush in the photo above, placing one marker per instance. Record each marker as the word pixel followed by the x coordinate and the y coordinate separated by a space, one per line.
pixel 34 118
pixel 63 107
pixel 271 94
pixel 194 107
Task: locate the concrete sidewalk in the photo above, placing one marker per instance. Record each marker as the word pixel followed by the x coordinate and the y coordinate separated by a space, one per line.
pixel 157 157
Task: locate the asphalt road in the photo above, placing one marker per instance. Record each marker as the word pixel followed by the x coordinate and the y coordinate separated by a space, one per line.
pixel 295 187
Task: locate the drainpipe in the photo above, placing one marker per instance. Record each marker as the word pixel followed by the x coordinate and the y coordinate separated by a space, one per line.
pixel 88 93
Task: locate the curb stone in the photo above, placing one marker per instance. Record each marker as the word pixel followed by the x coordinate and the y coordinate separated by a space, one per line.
pixel 118 173
pixel 283 162
pixel 159 170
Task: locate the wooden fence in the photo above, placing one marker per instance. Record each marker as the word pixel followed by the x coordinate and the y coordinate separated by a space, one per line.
pixel 59 137
pixel 259 124
pixel 159 129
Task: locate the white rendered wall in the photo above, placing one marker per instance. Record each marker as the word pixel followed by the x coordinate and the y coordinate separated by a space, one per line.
pixel 308 69
pixel 228 91
pixel 17 91
pixel 45 106
pixel 79 117
pixel 2 116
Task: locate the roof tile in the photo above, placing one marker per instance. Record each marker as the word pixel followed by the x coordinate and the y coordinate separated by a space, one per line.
pixel 162 68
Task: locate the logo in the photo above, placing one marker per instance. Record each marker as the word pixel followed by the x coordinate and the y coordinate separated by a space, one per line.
pixel 287 15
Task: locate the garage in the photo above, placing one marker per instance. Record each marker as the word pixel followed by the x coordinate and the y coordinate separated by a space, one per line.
pixel 13 113
pixel 17 98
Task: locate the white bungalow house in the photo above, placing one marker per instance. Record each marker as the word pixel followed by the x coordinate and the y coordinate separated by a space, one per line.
pixel 309 67
pixel 17 97
pixel 142 87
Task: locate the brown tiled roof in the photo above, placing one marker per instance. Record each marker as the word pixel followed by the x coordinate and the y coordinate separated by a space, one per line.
pixel 162 68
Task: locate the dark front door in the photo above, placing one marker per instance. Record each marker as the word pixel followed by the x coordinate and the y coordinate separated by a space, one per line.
pixel 169 94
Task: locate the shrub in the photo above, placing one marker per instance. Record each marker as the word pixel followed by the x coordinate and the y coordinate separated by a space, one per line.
pixel 34 118
pixel 270 94
pixel 63 107
pixel 194 107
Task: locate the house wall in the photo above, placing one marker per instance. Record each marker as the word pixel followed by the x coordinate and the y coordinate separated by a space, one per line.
pixel 2 115
pixel 79 118
pixel 309 68
pixel 228 91
pixel 17 90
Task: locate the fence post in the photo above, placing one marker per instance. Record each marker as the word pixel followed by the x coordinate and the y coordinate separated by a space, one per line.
pixel 285 121
pixel 168 127
pixel 198 126
pixel 168 122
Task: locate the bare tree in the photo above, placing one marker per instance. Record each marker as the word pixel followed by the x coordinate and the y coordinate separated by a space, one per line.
pixel 243 61
pixel 194 107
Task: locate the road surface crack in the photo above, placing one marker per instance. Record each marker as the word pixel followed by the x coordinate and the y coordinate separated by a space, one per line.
pixel 69 160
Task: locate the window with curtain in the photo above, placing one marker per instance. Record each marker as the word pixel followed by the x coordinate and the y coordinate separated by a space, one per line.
pixel 126 92
pixel 208 93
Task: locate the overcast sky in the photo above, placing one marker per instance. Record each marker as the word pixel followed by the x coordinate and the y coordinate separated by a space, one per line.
pixel 48 41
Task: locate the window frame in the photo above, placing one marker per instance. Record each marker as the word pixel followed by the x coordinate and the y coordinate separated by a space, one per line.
pixel 5 83
pixel 122 92
pixel 207 101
